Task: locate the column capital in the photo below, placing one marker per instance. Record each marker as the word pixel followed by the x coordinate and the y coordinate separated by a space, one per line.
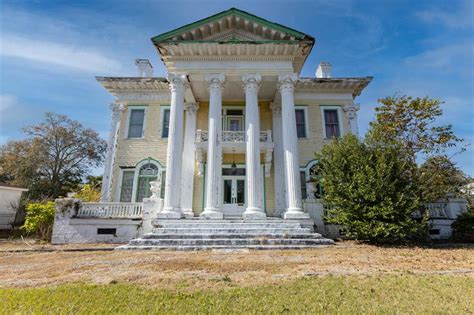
pixel 276 108
pixel 252 81
pixel 287 82
pixel 177 81
pixel 191 107
pixel 117 107
pixel 215 80
pixel 351 109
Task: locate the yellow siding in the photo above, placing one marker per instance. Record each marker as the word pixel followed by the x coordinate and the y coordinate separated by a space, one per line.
pixel 315 142
pixel 131 151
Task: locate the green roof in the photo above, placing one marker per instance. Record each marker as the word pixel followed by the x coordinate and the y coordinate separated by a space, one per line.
pixel 232 11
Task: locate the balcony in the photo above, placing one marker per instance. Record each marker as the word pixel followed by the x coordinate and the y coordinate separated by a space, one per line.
pixel 234 142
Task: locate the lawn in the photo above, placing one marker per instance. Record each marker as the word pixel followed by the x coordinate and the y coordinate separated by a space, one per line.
pixel 348 278
pixel 404 294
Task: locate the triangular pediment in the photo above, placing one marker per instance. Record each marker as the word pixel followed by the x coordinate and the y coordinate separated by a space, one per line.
pixel 232 25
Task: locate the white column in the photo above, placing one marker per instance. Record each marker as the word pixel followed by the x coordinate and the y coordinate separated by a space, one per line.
pixel 252 157
pixel 172 202
pixel 351 110
pixel 213 208
pixel 189 152
pixel 106 191
pixel 278 169
pixel 290 148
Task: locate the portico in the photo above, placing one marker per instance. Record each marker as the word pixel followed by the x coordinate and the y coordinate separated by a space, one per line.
pixel 225 190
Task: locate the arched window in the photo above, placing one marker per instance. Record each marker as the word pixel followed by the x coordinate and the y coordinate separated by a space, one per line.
pixel 315 176
pixel 310 174
pixel 147 173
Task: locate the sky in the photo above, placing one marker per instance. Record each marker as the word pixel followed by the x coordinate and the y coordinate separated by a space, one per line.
pixel 51 51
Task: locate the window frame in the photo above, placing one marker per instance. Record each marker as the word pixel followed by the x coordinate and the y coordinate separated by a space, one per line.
pixel 163 108
pixel 129 114
pixel 118 194
pixel 306 121
pixel 224 115
pixel 338 109
pixel 136 170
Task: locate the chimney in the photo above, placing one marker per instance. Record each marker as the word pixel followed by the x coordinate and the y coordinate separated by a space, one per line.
pixel 324 70
pixel 144 67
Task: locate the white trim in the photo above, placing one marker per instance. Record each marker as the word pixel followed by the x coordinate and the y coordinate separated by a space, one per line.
pixel 306 121
pixel 339 119
pixel 127 121
pixel 162 111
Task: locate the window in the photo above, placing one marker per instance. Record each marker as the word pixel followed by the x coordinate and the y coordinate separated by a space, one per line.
pixel 147 173
pixel 126 188
pixel 300 123
pixel 331 123
pixel 106 231
pixel 165 122
pixel 304 194
pixel 135 127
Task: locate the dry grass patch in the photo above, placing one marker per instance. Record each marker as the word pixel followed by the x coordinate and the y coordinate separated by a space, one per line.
pixel 209 269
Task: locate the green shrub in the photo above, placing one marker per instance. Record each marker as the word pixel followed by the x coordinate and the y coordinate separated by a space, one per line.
pixel 40 219
pixel 463 227
pixel 370 191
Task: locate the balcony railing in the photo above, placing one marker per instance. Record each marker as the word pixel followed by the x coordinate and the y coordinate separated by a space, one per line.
pixel 233 136
pixel 118 210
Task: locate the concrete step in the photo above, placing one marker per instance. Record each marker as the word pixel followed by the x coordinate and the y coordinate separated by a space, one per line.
pixel 197 234
pixel 222 247
pixel 232 236
pixel 228 242
pixel 166 230
pixel 212 225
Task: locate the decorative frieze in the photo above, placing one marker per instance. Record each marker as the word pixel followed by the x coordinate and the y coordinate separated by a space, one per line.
pixel 351 110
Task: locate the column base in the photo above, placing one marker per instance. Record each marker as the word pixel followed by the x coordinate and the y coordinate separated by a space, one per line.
pixel 188 213
pixel 254 214
pixel 173 213
pixel 295 213
pixel 212 213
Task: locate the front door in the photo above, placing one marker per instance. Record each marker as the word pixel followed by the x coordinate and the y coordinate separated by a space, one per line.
pixel 234 196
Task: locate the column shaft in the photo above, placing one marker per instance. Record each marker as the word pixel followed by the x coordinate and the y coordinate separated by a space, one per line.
pixel 106 190
pixel 279 163
pixel 290 149
pixel 189 152
pixel 213 208
pixel 172 206
pixel 252 157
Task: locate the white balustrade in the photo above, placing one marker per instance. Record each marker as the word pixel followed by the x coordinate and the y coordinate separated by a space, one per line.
pixel 436 210
pixel 233 136
pixel 111 210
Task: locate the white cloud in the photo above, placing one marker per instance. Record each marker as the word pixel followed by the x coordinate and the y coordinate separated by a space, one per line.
pixel 57 54
pixel 6 102
pixel 459 18
pixel 453 57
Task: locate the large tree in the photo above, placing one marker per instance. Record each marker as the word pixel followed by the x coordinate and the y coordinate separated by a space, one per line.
pixel 54 158
pixel 412 122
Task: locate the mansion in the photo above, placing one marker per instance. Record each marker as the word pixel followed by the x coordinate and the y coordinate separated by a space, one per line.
pixel 232 130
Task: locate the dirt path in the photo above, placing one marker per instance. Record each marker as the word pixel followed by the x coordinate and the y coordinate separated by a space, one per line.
pixel 217 268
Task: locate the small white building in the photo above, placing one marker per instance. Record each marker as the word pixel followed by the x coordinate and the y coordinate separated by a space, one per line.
pixel 9 203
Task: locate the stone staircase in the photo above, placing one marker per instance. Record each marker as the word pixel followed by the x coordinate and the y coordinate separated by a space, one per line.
pixel 196 234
